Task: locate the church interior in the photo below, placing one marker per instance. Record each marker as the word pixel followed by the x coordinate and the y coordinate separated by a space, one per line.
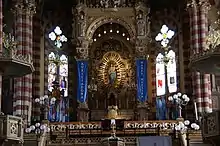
pixel 109 72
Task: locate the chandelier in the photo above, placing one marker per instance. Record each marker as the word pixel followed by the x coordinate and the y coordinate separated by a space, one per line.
pixel 179 100
pixel 57 36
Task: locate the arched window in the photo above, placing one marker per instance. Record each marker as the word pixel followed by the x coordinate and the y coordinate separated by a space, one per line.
pixel 171 72
pixel 160 75
pixel 58 79
pixel 58 71
pixel 166 77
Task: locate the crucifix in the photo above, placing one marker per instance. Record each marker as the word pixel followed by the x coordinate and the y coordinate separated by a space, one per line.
pixel 113 125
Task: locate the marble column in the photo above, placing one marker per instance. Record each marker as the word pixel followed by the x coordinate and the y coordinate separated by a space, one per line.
pixel 194 45
pixel 204 8
pixel 198 11
pixel 23 11
pixel 1 48
pixel 37 34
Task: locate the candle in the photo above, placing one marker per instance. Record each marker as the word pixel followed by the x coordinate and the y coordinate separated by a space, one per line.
pixel 196 112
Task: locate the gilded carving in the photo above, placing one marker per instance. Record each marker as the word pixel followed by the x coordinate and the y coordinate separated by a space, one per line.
pixel 113 69
pixel 112 66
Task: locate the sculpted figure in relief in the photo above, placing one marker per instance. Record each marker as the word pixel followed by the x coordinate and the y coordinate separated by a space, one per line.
pixel 141 28
pixel 140 24
pixel 81 24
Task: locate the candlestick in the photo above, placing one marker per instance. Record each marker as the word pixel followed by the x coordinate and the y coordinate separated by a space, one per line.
pixel 196 112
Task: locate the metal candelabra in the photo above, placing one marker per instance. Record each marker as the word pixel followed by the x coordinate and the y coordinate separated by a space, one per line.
pixel 185 127
pixel 179 100
pixel 45 102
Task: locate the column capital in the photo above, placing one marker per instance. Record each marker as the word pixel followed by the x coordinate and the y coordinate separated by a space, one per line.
pixel 204 5
pixel 27 7
pixel 191 4
pixel 82 53
pixel 142 46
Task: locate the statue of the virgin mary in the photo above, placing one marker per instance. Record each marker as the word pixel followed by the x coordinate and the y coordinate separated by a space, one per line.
pixel 112 74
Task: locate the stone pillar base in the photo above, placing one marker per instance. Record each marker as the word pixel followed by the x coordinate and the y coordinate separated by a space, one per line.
pixel 83 112
pixel 142 111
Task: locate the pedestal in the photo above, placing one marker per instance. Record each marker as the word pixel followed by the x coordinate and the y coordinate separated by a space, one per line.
pixel 113 141
pixel 11 129
pixel 83 112
pixel 112 112
pixel 142 111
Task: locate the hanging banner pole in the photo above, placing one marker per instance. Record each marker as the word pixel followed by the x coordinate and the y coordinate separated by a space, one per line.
pixel 141 67
pixel 82 77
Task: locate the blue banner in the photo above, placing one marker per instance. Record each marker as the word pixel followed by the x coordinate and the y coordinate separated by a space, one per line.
pixel 82 69
pixel 141 65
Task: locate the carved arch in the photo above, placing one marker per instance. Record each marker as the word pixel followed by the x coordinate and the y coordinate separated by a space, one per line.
pixel 118 38
pixel 103 20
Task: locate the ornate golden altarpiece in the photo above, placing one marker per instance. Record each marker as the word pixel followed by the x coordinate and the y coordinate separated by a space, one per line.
pixel 111 36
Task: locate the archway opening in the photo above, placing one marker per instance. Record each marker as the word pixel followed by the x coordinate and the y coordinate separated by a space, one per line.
pixel 113 69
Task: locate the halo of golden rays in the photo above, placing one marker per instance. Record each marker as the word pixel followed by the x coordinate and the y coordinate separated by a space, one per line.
pixel 121 66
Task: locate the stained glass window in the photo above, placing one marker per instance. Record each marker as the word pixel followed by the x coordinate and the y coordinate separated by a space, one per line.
pixel 58 72
pixel 58 78
pixel 166 79
pixel 160 75
pixel 165 64
pixel 166 71
pixel 164 36
pixel 57 37
pixel 171 72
